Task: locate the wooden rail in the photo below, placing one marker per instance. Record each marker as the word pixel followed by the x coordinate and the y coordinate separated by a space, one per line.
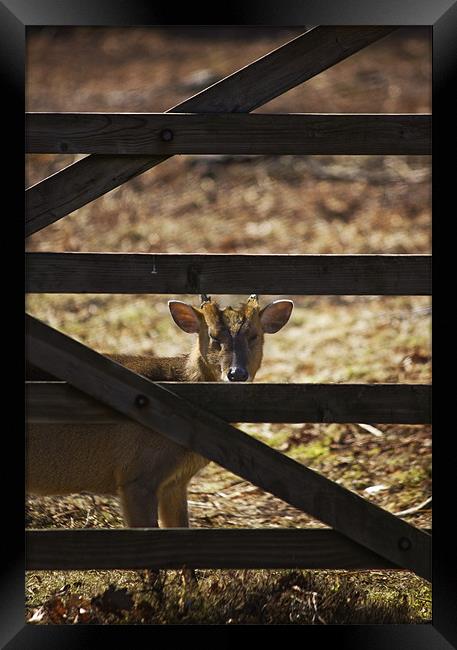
pixel 227 133
pixel 248 88
pixel 377 403
pixel 218 548
pixel 163 411
pixel 229 274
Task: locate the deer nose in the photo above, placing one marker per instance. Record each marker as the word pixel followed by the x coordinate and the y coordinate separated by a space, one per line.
pixel 237 374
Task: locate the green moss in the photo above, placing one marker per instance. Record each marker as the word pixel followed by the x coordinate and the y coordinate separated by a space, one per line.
pixel 317 449
pixel 413 477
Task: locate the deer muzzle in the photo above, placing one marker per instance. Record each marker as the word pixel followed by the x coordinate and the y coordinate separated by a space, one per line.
pixel 238 370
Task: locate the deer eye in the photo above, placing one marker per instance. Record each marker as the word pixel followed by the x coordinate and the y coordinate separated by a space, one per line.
pixel 253 338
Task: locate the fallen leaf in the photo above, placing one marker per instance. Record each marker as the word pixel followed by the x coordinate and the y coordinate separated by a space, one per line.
pixel 38 615
pixel 373 489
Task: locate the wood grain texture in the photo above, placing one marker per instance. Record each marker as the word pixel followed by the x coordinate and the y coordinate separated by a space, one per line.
pixel 228 133
pixel 376 403
pixel 190 426
pixel 198 548
pixel 243 91
pixel 228 274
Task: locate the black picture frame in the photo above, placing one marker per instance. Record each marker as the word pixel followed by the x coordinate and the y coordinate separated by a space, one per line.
pixel 441 16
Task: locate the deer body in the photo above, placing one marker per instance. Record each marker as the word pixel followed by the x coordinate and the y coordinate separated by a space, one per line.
pixel 122 458
pixel 148 471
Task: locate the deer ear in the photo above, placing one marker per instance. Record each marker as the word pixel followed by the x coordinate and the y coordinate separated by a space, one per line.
pixel 275 315
pixel 185 316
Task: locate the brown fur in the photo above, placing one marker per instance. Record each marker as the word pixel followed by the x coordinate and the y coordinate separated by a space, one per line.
pixel 224 325
pixel 149 472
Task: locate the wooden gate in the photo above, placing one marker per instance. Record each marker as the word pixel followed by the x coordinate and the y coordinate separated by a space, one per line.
pixel 94 388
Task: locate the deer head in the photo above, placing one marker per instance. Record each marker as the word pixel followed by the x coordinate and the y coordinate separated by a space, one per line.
pixel 231 339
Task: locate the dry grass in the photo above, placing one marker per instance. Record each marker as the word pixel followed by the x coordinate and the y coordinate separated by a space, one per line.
pixel 284 204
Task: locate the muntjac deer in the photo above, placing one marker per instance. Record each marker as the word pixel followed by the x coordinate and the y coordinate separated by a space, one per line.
pixel 149 472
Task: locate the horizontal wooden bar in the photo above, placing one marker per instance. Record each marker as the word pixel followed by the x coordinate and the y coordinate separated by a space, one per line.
pixel 165 412
pixel 228 274
pixel 219 548
pixel 243 91
pixel 228 133
pixel 376 403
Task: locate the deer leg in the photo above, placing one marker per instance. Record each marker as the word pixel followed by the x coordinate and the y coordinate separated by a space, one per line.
pixel 173 506
pixel 139 508
pixel 173 513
